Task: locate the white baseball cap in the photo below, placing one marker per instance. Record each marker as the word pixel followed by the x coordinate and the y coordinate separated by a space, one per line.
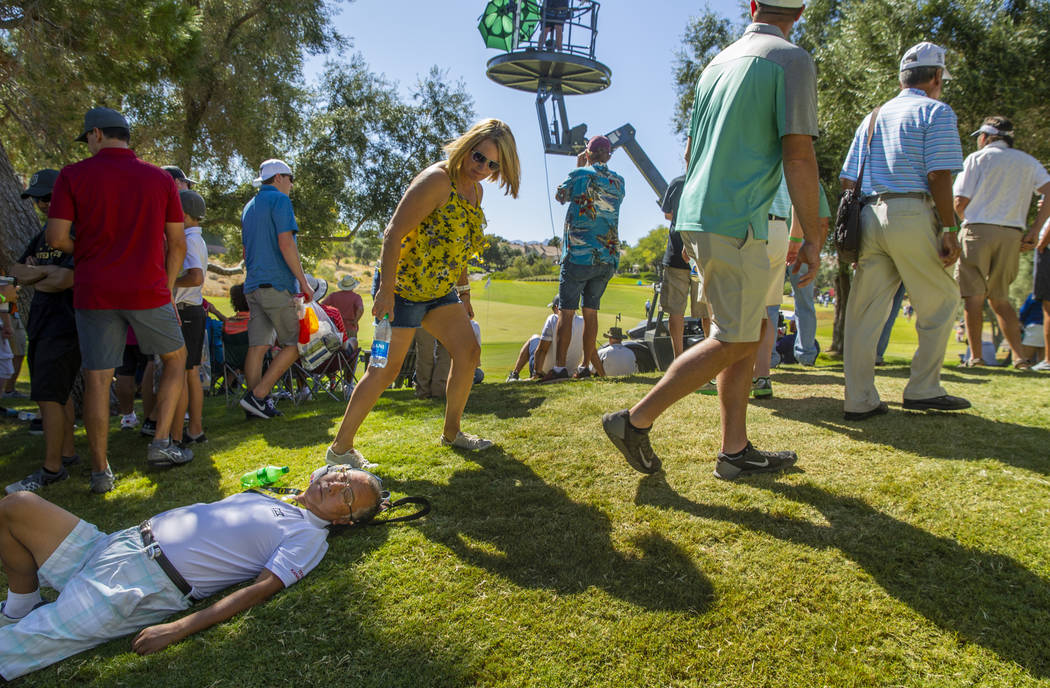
pixel 924 54
pixel 269 168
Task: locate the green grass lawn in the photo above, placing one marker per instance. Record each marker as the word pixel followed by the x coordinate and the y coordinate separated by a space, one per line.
pixel 908 550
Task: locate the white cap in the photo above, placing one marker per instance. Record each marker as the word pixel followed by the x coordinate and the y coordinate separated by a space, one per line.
pixel 924 54
pixel 269 168
pixel 992 131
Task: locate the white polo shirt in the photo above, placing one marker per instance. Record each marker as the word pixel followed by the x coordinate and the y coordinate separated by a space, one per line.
pixel 228 542
pixel 618 360
pixel 196 257
pixel 550 334
pixel 1000 182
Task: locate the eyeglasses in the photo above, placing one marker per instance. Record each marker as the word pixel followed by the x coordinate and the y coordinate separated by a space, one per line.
pixel 291 178
pixel 482 160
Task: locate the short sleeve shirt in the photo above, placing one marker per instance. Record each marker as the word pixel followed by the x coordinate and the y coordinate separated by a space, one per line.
pixel 592 220
pixel 228 542
pixel 669 205
pixel 350 306
pixel 914 135
pixel 51 315
pixel 263 219
pixel 119 206
pixel 1000 182
pixel 196 257
pixel 549 333
pixel 751 95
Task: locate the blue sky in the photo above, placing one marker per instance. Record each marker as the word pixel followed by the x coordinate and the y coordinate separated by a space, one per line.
pixel 402 39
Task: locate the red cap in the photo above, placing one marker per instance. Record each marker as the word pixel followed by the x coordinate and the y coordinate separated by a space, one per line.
pixel 598 144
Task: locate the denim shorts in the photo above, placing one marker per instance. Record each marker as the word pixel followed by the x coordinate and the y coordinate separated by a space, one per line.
pixel 410 314
pixel 588 280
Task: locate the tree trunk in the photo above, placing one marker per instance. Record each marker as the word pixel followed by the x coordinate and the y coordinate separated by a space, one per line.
pixel 18 225
pixel 843 281
pixel 18 220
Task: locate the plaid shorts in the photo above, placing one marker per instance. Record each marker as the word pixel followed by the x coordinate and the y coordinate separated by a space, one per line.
pixel 109 587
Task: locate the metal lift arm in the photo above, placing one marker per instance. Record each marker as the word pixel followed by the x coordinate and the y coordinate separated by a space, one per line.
pixel 624 136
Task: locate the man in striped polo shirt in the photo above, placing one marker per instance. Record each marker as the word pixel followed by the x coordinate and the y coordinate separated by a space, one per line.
pixel 754 120
pixel 908 234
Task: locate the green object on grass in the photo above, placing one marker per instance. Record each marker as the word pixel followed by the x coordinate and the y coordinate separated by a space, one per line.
pixel 261 477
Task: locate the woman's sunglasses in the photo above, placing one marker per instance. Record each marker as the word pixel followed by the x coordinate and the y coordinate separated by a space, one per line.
pixel 482 160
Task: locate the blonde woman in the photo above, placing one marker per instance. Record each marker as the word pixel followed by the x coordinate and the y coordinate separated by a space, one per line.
pixel 422 281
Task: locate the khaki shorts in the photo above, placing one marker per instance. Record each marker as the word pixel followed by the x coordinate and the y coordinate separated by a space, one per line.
pixel 989 260
pixel 677 291
pixel 736 279
pixel 272 310
pixel 777 251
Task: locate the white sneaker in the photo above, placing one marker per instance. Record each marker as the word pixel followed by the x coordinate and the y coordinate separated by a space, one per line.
pixel 351 457
pixel 465 441
pixel 1041 366
pixel 129 422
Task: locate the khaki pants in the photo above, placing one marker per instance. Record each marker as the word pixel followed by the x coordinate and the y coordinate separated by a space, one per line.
pixel 899 242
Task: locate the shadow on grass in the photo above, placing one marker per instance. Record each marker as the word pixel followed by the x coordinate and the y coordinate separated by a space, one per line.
pixel 961 435
pixel 988 599
pixel 507 520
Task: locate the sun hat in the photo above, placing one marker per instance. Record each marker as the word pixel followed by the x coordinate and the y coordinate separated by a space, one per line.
pixel 347 283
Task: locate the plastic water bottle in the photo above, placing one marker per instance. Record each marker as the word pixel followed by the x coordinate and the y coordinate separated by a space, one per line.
pixel 381 343
pixel 267 475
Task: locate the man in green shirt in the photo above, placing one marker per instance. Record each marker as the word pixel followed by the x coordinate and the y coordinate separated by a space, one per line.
pixel 754 119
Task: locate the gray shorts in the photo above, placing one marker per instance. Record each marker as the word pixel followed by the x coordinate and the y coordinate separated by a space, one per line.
pixel 272 310
pixel 103 333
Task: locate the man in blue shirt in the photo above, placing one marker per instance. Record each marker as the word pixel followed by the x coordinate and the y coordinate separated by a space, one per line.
pixel 274 275
pixel 590 251
pixel 908 234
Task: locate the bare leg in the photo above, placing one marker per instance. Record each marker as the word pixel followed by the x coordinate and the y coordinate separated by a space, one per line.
pixel 1046 331
pixel 590 334
pixel 696 366
pixel 734 388
pixel 31 529
pixel 764 351
pixel 451 325
pixel 974 305
pixel 53 416
pixel 67 430
pixel 565 318
pixel 253 362
pixel 676 328
pixel 179 413
pixel 1010 325
pixel 16 363
pixel 125 389
pixel 171 381
pixel 96 415
pixel 281 363
pixel 370 387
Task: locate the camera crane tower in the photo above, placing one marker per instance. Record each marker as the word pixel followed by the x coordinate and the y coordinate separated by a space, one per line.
pixel 555 71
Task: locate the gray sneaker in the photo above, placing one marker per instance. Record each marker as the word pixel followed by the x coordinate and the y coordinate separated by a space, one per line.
pixel 165 453
pixel 351 457
pixel 632 442
pixel 752 461
pixel 761 387
pixel 468 442
pixel 102 481
pixel 34 481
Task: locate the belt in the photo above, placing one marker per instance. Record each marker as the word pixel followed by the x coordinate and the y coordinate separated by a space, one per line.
pixel 773 218
pixel 265 286
pixel 157 555
pixel 906 194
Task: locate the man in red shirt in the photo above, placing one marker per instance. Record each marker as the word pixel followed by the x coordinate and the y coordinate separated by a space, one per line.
pixel 123 209
pixel 349 304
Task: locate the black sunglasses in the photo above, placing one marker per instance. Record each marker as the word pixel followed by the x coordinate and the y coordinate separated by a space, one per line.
pixel 43 199
pixel 482 160
pixel 291 178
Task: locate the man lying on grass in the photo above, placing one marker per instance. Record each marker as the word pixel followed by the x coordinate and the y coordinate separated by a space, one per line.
pixel 113 585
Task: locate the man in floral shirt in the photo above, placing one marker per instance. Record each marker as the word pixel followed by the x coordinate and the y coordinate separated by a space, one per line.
pixel 590 251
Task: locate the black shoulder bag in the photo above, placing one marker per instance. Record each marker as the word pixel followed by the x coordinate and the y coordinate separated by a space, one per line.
pixel 847 220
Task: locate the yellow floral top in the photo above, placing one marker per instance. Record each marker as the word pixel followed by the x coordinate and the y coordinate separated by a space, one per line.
pixel 434 254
